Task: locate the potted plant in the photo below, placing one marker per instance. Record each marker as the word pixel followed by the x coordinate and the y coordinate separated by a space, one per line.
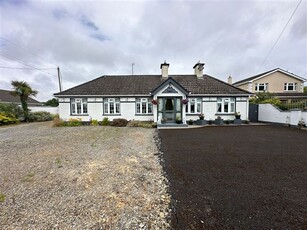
pixel 163 120
pixel 238 115
pixel 219 120
pixel 210 122
pixel 190 122
pixel 201 116
pixel 178 119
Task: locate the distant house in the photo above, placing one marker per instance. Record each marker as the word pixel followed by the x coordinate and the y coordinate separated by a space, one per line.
pixel 284 84
pixel 6 96
pixel 154 97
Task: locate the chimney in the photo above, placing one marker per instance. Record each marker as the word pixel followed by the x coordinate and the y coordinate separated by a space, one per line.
pixel 198 69
pixel 164 69
pixel 230 80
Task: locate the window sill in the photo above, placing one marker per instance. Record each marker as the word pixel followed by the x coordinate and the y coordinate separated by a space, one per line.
pixel 144 114
pixel 81 114
pixel 111 114
pixel 225 114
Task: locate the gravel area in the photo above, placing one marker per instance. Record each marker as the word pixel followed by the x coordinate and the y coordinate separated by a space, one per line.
pixel 243 177
pixel 81 178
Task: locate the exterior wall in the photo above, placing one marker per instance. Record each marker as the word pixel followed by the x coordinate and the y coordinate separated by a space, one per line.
pixel 269 113
pixel 49 109
pixel 128 109
pixel 275 82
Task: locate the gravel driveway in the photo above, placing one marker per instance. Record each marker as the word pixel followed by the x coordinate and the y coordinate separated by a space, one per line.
pixel 80 178
pixel 244 177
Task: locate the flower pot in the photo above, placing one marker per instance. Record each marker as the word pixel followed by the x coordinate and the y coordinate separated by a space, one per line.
pixel 178 121
pixel 219 121
pixel 201 122
pixel 238 116
pixel 201 118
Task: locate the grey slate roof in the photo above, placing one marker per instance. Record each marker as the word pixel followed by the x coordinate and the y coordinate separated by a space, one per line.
pixel 7 97
pixel 145 84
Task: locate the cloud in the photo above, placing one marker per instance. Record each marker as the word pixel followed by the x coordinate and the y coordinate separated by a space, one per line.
pixel 87 40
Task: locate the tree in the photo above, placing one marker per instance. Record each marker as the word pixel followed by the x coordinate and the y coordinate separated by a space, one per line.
pixel 305 89
pixel 52 102
pixel 23 91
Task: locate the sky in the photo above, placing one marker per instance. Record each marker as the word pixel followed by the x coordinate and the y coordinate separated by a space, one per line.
pixel 88 39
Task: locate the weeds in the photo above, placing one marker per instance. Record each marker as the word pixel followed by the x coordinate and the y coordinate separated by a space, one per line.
pixel 28 177
pixel 2 197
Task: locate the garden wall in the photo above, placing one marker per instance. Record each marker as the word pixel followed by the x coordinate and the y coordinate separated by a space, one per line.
pixel 52 110
pixel 269 113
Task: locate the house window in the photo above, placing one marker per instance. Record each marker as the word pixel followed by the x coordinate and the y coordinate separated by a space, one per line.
pixel 143 106
pixel 290 86
pixel 261 87
pixel 78 106
pixel 194 105
pixel 111 106
pixel 225 105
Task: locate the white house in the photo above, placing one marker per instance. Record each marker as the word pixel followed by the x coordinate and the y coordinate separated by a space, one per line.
pixel 154 97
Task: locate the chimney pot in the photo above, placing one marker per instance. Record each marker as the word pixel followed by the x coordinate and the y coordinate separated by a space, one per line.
pixel 230 80
pixel 198 69
pixel 164 69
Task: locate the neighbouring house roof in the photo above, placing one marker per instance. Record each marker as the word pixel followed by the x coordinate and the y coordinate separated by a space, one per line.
pixel 146 84
pixel 291 95
pixel 261 75
pixel 7 97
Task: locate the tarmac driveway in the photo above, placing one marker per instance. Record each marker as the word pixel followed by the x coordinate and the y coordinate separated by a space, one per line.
pixel 243 177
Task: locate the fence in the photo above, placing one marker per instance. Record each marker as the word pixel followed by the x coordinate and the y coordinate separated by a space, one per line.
pixel 297 104
pixel 269 113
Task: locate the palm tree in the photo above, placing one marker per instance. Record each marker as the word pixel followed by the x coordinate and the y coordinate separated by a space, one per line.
pixel 23 90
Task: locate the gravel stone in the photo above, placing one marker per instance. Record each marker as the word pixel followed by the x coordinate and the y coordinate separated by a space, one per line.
pixel 81 178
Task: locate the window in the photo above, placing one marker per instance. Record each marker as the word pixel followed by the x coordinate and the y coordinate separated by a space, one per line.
pixel 111 106
pixel 290 86
pixel 261 87
pixel 225 105
pixel 143 106
pixel 194 105
pixel 78 106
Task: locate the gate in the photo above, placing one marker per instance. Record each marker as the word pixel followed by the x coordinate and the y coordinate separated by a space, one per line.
pixel 253 112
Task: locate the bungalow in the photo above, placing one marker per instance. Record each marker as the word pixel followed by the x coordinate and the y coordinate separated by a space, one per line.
pixel 154 97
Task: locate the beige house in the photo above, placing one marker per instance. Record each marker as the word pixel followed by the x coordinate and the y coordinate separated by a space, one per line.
pixel 273 81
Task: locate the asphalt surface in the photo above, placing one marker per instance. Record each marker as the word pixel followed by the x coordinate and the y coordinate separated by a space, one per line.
pixel 243 177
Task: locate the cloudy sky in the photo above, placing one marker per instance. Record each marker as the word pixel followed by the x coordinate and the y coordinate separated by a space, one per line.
pixel 87 39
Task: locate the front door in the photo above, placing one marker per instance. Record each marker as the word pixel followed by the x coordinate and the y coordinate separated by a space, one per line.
pixel 169 109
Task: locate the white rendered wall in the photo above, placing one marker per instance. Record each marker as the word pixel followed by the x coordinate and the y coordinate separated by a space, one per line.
pixel 49 109
pixel 269 113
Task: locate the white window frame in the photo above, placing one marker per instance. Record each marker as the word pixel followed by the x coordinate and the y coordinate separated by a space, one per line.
pixel 222 102
pixel 196 102
pixel 290 84
pixel 111 106
pixel 265 87
pixel 78 106
pixel 143 106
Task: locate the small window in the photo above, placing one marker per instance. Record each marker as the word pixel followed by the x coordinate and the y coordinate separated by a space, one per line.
pixel 261 87
pixel 225 105
pixel 143 106
pixel 290 86
pixel 78 106
pixel 111 106
pixel 194 106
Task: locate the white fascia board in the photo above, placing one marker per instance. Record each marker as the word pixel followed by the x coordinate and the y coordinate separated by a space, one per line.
pixel 136 95
pixel 220 95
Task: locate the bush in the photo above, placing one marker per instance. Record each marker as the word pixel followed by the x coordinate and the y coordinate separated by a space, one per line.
pixel 58 122
pixel 105 121
pixel 40 116
pixel 94 123
pixel 120 122
pixel 7 119
pixel 74 122
pixel 12 109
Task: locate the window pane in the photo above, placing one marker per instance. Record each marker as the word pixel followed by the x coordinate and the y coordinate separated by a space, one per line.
pixel 285 86
pixel 111 107
pixel 143 107
pixel 78 108
pixel 138 108
pixel 117 107
pixel 73 108
pixel 198 108
pixel 85 108
pixel 106 110
pixel 219 107
pixel 193 108
pixel 232 107
pixel 149 108
pixel 226 104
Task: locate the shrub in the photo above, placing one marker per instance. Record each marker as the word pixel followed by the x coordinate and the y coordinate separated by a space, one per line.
pixel 12 109
pixel 105 121
pixel 143 124
pixel 40 116
pixel 119 122
pixel 94 123
pixel 58 122
pixel 7 119
pixel 74 122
